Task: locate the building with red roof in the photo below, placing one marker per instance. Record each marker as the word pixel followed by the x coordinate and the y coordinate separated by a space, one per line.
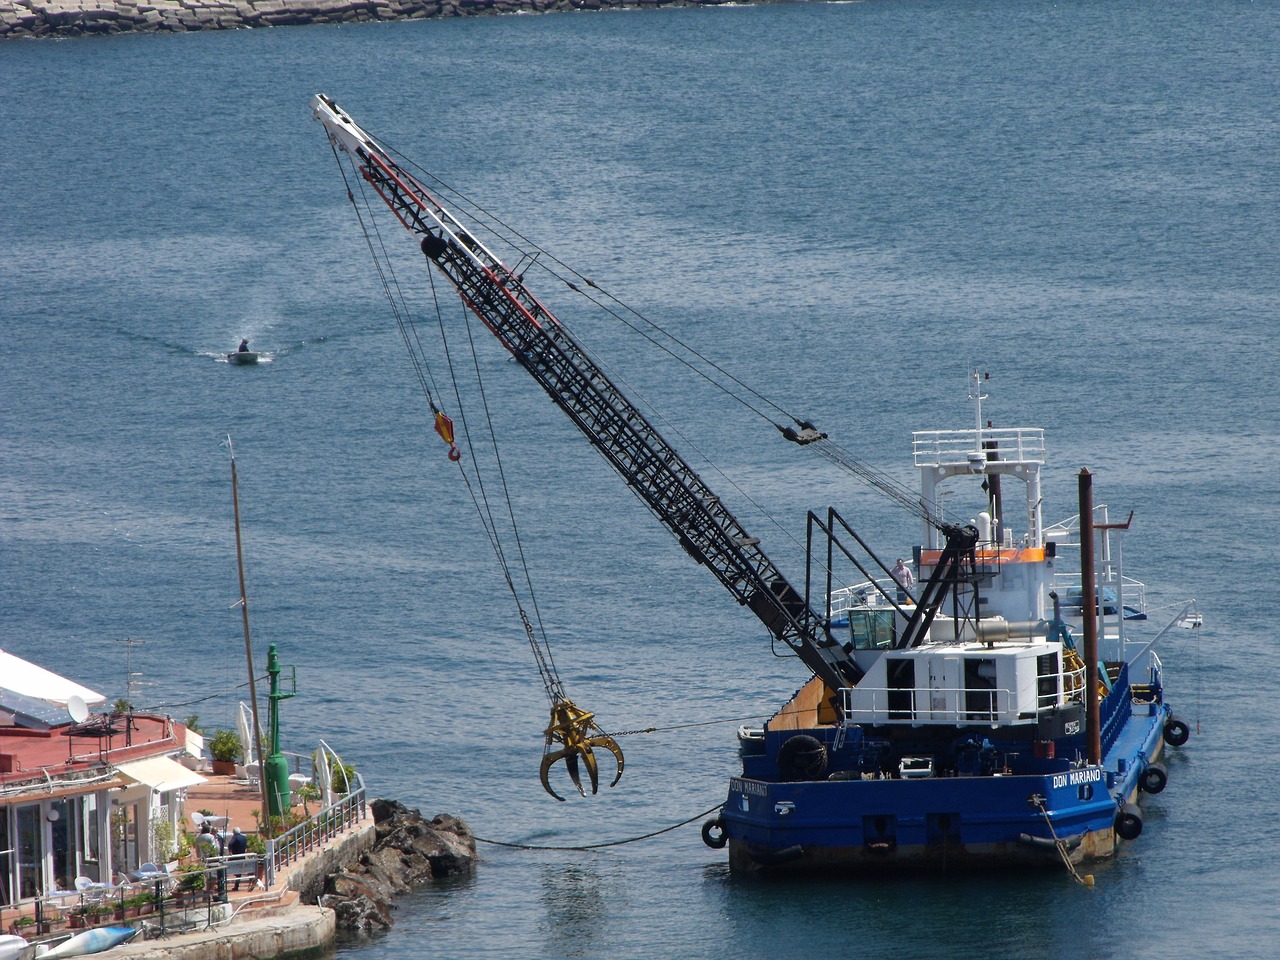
pixel 88 794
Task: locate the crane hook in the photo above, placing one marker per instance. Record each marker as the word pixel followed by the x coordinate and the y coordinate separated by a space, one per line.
pixel 444 427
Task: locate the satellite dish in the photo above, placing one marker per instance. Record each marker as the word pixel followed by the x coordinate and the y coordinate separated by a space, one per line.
pixel 78 709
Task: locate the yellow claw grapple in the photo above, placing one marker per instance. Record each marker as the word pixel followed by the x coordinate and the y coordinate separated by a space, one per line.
pixel 572 729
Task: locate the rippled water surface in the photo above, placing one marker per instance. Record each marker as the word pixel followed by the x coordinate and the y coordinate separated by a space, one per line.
pixel 847 205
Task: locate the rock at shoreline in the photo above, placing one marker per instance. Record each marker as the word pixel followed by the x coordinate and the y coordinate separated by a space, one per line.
pixel 408 850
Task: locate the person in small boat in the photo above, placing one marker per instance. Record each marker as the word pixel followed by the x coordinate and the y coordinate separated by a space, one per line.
pixel 902 573
pixel 244 345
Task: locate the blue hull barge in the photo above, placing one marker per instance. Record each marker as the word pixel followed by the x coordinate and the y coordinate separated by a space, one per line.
pixel 986 742
pixel 951 724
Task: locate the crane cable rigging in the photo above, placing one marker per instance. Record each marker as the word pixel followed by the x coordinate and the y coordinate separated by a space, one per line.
pixel 797 429
pixel 571 729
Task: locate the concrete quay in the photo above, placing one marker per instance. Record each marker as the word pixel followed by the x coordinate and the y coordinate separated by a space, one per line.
pixel 295 932
pixel 73 18
pixel 277 924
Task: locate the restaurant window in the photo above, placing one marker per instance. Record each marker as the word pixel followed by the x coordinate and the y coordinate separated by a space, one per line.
pixel 63 830
pixel 6 845
pixel 29 849
pixel 89 832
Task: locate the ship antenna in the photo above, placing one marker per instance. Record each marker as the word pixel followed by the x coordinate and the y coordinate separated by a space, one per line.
pixel 977 396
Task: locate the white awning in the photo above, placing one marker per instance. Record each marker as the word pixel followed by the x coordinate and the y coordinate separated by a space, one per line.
pixel 22 676
pixel 160 774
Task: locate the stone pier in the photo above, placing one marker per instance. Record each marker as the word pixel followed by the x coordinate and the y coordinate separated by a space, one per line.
pixel 71 18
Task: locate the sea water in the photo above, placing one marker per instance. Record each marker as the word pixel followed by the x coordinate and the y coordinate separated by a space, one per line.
pixel 849 206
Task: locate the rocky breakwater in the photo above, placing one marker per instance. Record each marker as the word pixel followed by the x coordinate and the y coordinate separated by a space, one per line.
pixel 408 850
pixel 68 18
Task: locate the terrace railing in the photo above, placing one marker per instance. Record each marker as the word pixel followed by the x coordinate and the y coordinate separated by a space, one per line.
pixel 297 842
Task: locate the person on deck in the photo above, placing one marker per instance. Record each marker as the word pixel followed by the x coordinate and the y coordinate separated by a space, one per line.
pixel 902 573
pixel 244 345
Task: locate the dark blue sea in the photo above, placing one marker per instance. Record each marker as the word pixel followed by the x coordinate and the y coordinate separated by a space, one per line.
pixel 847 205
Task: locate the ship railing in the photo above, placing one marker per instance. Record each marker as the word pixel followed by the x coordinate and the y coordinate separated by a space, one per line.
pixel 1113 593
pixel 907 707
pixel 936 448
pixel 344 814
pixel 1072 690
pixel 860 596
pixel 1116 709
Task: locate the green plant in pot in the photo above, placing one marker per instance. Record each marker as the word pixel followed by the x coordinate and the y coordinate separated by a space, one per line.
pixel 224 747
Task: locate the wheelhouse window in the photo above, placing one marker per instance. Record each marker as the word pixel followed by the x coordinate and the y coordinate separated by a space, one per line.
pixel 871 629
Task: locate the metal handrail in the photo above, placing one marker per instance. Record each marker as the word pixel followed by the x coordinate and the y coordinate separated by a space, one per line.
pixel 932 448
pixel 298 841
pixel 1002 705
pixel 1001 710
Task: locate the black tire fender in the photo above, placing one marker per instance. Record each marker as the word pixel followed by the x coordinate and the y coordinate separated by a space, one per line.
pixel 713 833
pixel 1176 732
pixel 802 757
pixel 1129 822
pixel 1154 779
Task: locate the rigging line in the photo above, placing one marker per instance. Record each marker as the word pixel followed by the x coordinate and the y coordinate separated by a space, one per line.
pixel 541 651
pixel 400 310
pixel 511 512
pixel 409 334
pixel 404 318
pixel 786 711
pixel 489 219
pixel 550 682
pixel 694 723
pixel 660 346
pixel 675 430
pixel 896 491
pixel 485 514
pixel 785 532
pixel 417 356
pixel 598 846
pixel 878 480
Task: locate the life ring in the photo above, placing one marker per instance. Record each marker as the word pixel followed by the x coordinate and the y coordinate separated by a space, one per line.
pixel 1129 822
pixel 802 757
pixel 1153 779
pixel 711 838
pixel 1176 733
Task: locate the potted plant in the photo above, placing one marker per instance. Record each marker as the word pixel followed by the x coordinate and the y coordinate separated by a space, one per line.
pixel 224 747
pixel 131 907
pixel 191 881
pixel 19 926
pixel 92 916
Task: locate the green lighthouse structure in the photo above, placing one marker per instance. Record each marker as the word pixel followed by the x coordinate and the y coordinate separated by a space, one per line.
pixel 275 769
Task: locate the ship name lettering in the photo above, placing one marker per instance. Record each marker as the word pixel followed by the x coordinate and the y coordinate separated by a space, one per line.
pixel 1077 777
pixel 750 787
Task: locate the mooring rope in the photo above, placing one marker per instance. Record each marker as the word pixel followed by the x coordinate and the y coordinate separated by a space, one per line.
pixel 1061 845
pixel 597 846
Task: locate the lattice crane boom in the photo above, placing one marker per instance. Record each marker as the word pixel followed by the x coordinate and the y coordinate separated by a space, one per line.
pixel 653 469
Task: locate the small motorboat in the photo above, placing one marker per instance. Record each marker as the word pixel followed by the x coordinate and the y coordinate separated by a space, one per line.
pixel 243 357
pixel 91 941
pixel 14 947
